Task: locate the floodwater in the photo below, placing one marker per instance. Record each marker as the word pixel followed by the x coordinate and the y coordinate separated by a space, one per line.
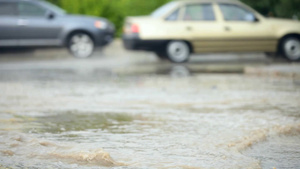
pixel 154 121
pixel 127 110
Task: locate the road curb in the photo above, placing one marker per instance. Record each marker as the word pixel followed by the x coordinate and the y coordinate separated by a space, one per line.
pixel 286 70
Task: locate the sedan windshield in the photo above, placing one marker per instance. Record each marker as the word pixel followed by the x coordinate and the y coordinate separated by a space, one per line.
pixel 163 10
pixel 53 8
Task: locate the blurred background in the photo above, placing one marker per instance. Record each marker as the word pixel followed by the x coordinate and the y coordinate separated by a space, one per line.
pixel 117 10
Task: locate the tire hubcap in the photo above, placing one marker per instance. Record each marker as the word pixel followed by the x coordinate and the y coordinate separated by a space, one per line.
pixel 81 45
pixel 178 51
pixel 292 49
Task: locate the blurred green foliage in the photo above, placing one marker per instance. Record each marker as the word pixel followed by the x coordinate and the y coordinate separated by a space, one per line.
pixel 278 8
pixel 117 10
pixel 113 10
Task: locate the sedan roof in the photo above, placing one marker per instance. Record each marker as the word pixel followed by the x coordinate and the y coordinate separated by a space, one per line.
pixel 208 1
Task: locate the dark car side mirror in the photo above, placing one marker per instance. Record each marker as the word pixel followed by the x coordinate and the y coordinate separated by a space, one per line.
pixel 50 15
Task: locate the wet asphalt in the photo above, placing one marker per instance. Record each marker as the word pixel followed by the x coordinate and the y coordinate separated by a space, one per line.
pixel 112 61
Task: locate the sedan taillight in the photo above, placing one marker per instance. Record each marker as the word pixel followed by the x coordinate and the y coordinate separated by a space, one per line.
pixel 134 28
pixel 131 28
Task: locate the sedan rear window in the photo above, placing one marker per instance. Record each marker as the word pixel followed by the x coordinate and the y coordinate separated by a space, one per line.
pixel 199 12
pixel 173 16
pixel 160 12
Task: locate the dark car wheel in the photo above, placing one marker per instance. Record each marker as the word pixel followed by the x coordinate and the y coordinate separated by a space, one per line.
pixel 291 48
pixel 81 45
pixel 178 51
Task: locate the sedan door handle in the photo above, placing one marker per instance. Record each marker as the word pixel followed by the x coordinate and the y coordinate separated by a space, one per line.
pixel 189 28
pixel 227 28
pixel 22 22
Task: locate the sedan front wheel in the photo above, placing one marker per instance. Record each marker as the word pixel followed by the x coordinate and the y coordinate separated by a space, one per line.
pixel 178 51
pixel 81 45
pixel 291 48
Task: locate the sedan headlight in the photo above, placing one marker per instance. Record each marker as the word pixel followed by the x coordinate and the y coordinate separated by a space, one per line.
pixel 100 24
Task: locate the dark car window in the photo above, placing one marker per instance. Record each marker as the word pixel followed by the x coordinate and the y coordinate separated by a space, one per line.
pixel 235 13
pixel 173 16
pixel 8 9
pixel 52 7
pixel 199 12
pixel 30 9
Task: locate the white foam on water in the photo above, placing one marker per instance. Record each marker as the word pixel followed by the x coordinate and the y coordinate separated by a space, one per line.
pixel 25 147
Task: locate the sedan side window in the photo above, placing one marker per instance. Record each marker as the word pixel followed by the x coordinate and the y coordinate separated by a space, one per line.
pixel 236 13
pixel 199 12
pixel 8 9
pixel 29 9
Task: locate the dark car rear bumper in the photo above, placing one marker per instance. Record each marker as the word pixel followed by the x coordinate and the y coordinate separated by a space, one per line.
pixel 134 42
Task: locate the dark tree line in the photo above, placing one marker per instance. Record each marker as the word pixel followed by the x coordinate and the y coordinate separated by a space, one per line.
pixel 278 8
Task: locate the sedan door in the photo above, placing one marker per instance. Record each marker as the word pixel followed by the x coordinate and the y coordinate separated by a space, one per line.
pixel 244 31
pixel 8 24
pixel 202 26
pixel 36 27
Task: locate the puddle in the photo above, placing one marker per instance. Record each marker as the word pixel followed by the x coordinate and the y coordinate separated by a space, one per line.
pixel 179 70
pixel 65 122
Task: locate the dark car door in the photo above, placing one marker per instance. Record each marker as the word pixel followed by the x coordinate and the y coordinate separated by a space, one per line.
pixel 36 27
pixel 8 24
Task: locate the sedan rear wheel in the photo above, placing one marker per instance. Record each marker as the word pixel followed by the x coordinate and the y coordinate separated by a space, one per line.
pixel 178 51
pixel 291 48
pixel 81 45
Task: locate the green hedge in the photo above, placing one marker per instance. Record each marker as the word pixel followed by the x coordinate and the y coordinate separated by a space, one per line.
pixel 117 10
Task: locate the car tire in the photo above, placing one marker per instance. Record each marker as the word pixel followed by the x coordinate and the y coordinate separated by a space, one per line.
pixel 178 51
pixel 291 48
pixel 81 45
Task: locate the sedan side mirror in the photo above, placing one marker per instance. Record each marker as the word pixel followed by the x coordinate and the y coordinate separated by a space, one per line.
pixel 251 18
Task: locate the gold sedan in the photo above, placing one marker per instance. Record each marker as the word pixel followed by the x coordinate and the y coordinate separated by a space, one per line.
pixel 180 28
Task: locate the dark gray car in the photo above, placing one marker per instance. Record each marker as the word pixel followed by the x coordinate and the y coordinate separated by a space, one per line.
pixel 37 23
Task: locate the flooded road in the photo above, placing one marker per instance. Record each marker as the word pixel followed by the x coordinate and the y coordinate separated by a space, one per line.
pixel 57 115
